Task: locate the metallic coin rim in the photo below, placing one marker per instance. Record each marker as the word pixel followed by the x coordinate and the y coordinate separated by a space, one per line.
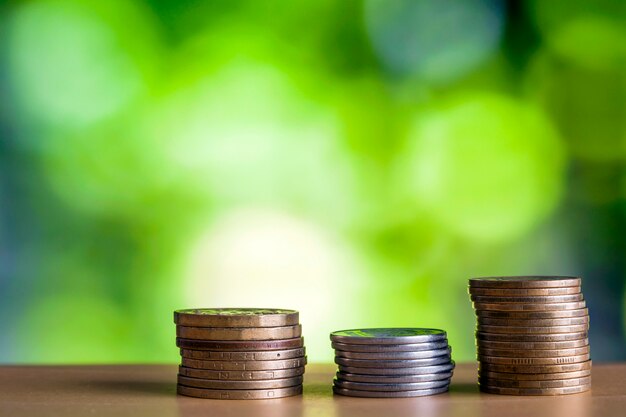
pixel 565 321
pixel 382 363
pixel 523 292
pixel 235 385
pixel 367 386
pixel 239 333
pixel 250 375
pixel 520 337
pixel 387 394
pixel 566 344
pixel 421 370
pixel 437 335
pixel 561 360
pixel 535 391
pixel 240 345
pixel 381 379
pixel 575 305
pixel 575 328
pixel 530 281
pixel 239 394
pixel 257 355
pixel 533 315
pixel 551 299
pixel 534 369
pixel 420 354
pixel 530 353
pixel 534 377
pixel 281 317
pixel 374 348
pixel 244 365
pixel 554 383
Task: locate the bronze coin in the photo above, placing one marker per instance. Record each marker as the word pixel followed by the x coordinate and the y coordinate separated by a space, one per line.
pixel 561 360
pixel 240 345
pixel 267 355
pixel 228 384
pixel 254 394
pixel 523 315
pixel 244 365
pixel 241 375
pixel 239 333
pixel 528 300
pixel 568 321
pixel 236 317
pixel 552 337
pixel 531 353
pixel 534 377
pixel 525 282
pixel 539 369
pixel 523 292
pixel 535 391
pixel 507 383
pixel 530 306
pixel 532 330
pixel 566 344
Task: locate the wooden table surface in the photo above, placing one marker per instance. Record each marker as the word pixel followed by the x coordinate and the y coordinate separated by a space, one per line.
pixel 149 390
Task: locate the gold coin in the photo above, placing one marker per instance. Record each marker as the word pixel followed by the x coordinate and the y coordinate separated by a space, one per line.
pixel 566 344
pixel 534 377
pixel 523 292
pixel 236 317
pixel 255 394
pixel 536 391
pixel 539 369
pixel 532 330
pixel 530 307
pixel 528 300
pixel 241 375
pixel 553 337
pixel 239 333
pixel 568 321
pixel 531 353
pixel 244 365
pixel 267 355
pixel 519 315
pixel 240 345
pixel 226 384
pixel 561 360
pixel 507 383
pixel 525 282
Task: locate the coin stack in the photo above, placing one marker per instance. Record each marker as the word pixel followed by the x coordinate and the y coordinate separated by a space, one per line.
pixel 531 335
pixel 391 363
pixel 239 353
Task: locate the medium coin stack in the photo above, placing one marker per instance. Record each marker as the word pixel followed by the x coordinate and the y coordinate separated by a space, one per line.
pixel 391 363
pixel 531 335
pixel 239 353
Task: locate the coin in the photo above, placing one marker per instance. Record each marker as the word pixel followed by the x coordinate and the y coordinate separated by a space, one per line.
pixel 364 386
pixel 523 292
pixel 531 353
pixel 236 317
pixel 240 345
pixel 409 363
pixel 568 321
pixel 392 394
pixel 534 377
pixel 532 330
pixel 388 336
pixel 227 384
pixel 379 379
pixel 407 347
pixel 530 306
pixel 239 333
pixel 243 356
pixel 540 369
pixel 244 365
pixel 522 315
pixel 507 383
pixel 241 375
pixel 530 337
pixel 525 282
pixel 255 394
pixel 536 391
pixel 420 370
pixel 528 300
pixel 394 355
pixel 560 360
pixel 567 344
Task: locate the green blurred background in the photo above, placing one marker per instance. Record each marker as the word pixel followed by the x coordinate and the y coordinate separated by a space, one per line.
pixel 355 160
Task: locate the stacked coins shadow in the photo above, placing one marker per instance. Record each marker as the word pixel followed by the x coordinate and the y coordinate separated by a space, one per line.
pixel 239 353
pixel 391 363
pixel 531 335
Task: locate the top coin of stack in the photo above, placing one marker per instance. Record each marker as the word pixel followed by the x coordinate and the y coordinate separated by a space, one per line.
pixel 388 363
pixel 531 335
pixel 239 353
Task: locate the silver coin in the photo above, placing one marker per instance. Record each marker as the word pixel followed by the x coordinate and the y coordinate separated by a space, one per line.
pixel 555 337
pixel 420 370
pixel 407 347
pixel 528 300
pixel 408 363
pixel 384 394
pixel 364 386
pixel 402 379
pixel 388 336
pixel 394 355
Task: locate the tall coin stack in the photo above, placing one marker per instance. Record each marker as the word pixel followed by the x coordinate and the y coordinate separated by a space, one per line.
pixel 531 335
pixel 389 363
pixel 239 353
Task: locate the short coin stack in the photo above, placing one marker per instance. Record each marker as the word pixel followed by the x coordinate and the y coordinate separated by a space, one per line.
pixel 531 335
pixel 239 353
pixel 389 363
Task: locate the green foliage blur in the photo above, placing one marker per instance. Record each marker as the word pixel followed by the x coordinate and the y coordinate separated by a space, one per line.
pixel 355 160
